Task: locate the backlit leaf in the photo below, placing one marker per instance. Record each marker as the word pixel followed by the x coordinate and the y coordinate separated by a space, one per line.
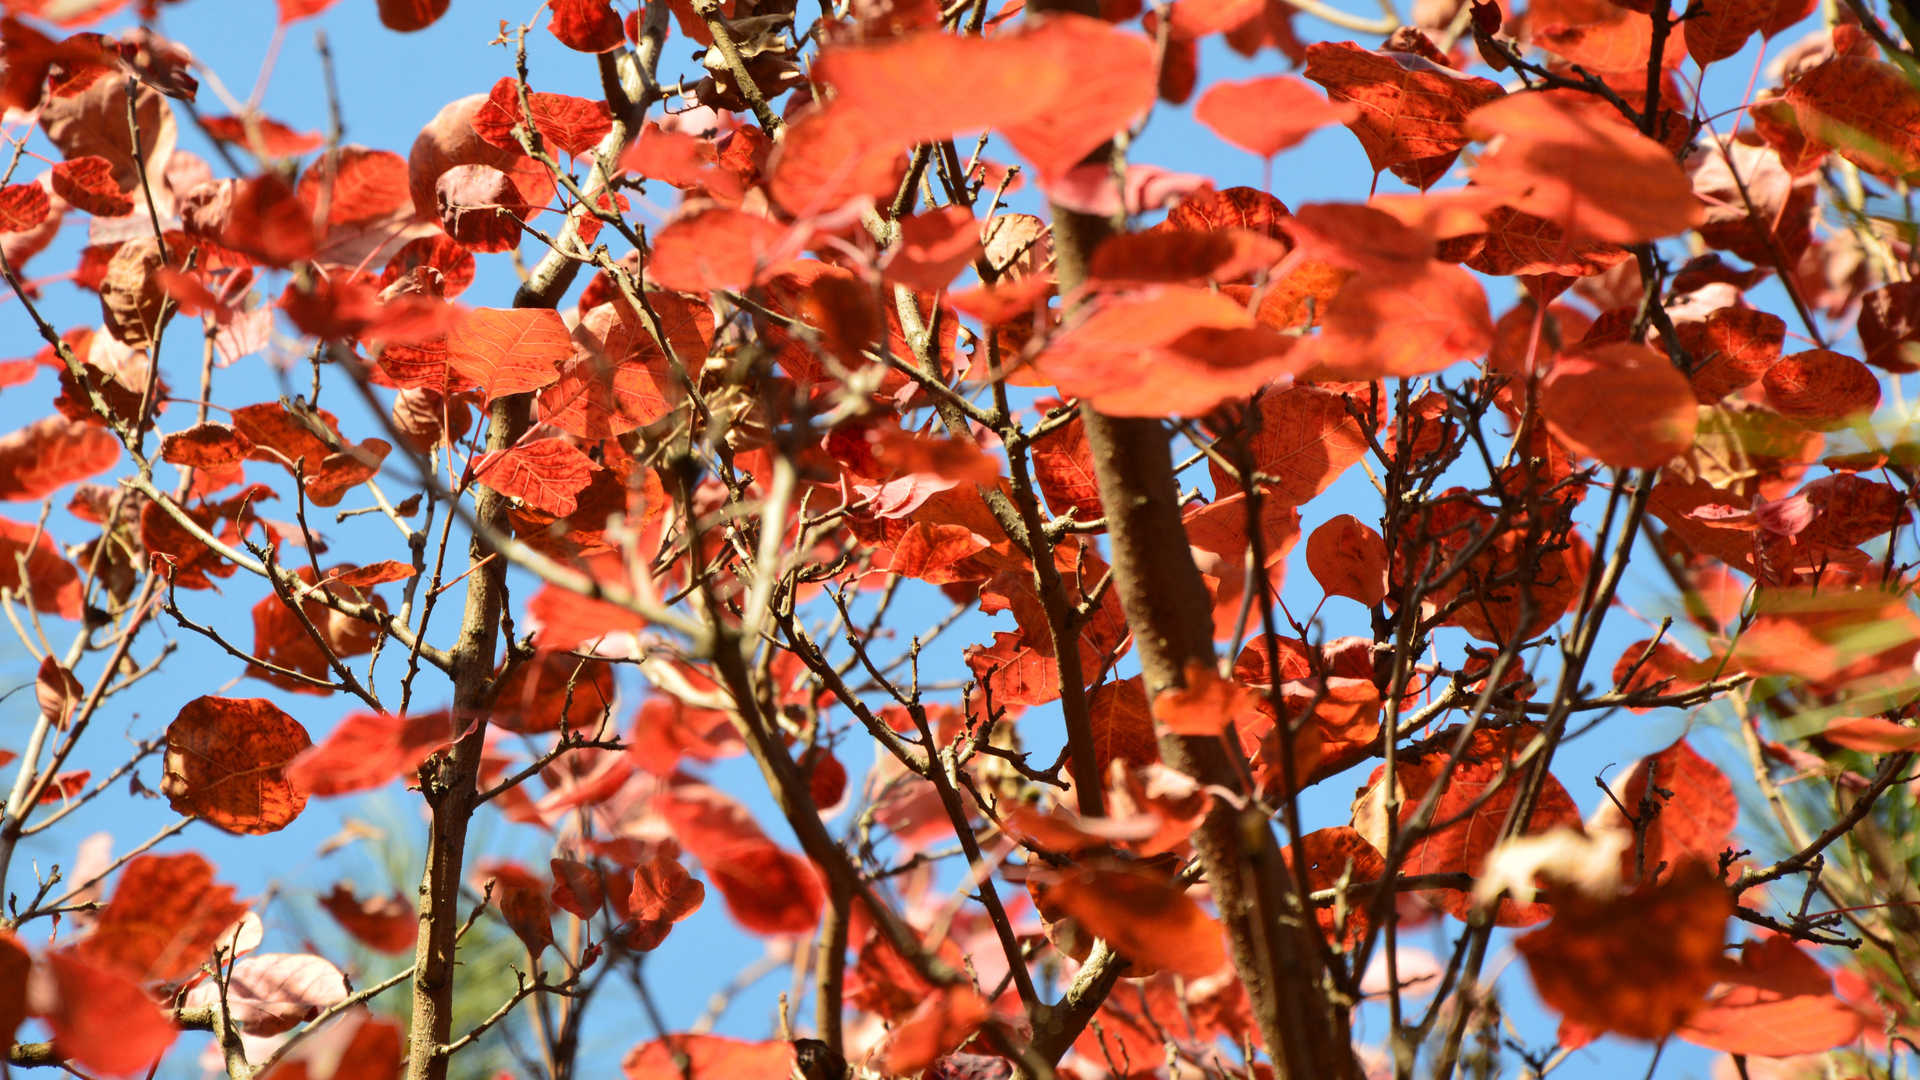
pixel 1622 404
pixel 510 350
pixel 226 761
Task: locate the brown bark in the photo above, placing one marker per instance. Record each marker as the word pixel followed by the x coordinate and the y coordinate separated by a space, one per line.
pixel 1274 937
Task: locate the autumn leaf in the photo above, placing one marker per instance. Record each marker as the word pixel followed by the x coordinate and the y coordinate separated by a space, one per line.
pixel 101 1018
pixel 1412 112
pixel 1349 559
pixel 1594 176
pixel 226 761
pixel 1866 109
pixel 1776 1002
pixel 1622 404
pixel 1598 967
pixel 1141 914
pixel 766 889
pixel 1266 116
pixel 386 924
pixel 368 750
pixel 164 919
pixel 508 351
pixel 545 474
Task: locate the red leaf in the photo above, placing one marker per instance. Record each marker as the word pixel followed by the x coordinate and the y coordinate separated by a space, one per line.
pixel 1349 559
pixel 510 350
pixel 164 920
pixel 87 183
pixel 102 1019
pixel 1778 1002
pixel 1177 256
pixel 385 924
pixel 1689 805
pixel 23 206
pixel 1142 915
pixel 663 894
pixel 934 247
pixel 1056 89
pixel 1305 437
pixel 359 186
pixel 1476 800
pixel 1597 965
pixel 1379 326
pixel 1871 735
pixel 367 750
pixel 407 16
pixel 480 206
pixel 767 890
pixel 226 760
pixel 206 446
pixel 292 10
pixel 50 583
pixel 1593 175
pixel 15 965
pixel 1890 326
pixel 576 888
pixel 1821 388
pixel 545 474
pixel 1204 705
pixel 571 124
pixel 707 1057
pixel 1266 116
pixel 1623 404
pixel 1172 350
pixel 1863 108
pixel 521 898
pixel 1412 111
pixel 719 248
pixel 589 26
pixel 263 135
pixel 553 690
pixel 938 1026
pixel 1333 855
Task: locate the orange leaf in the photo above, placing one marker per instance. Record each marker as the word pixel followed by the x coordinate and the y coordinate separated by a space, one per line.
pixel 226 761
pixel 1593 175
pixel 1205 705
pixel 366 750
pixel 102 1019
pixel 510 350
pixel 1266 116
pixel 1597 965
pixel 1623 404
pixel 1349 559
pixel 1778 1002
pixel 545 474
pixel 1145 917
